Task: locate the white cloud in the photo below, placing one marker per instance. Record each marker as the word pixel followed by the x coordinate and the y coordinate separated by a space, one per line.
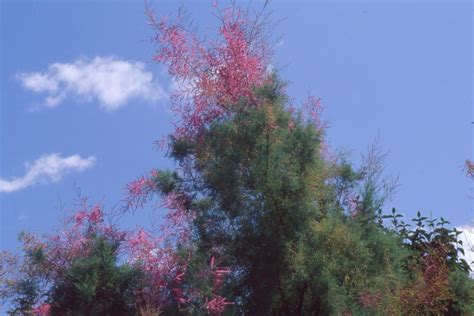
pixel 47 168
pixel 109 80
pixel 467 238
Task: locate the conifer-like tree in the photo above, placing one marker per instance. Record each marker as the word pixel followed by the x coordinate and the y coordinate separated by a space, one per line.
pixel 262 218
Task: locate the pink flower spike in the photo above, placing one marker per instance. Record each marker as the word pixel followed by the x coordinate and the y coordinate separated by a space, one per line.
pixel 42 310
pixel 212 262
pixel 140 191
pixel 96 215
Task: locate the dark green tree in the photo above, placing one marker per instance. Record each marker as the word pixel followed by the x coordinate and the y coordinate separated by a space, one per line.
pixel 96 284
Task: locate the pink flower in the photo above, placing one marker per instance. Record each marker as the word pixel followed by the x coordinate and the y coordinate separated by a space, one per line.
pixel 80 216
pixel 291 124
pixel 96 215
pixel 42 310
pixel 217 305
pixel 215 74
pixel 139 191
pixel 314 109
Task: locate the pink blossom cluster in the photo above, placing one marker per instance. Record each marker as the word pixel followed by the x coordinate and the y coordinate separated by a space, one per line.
pixel 313 108
pixel 164 268
pixel 178 217
pixel 156 254
pixel 167 272
pixel 217 304
pixel 139 191
pixel 74 239
pixel 212 74
pixel 42 310
pixel 93 216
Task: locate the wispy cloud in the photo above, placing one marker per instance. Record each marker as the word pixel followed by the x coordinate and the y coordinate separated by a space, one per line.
pixel 467 238
pixel 110 81
pixel 47 168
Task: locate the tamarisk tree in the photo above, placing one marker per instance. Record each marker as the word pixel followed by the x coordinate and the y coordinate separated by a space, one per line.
pixel 261 218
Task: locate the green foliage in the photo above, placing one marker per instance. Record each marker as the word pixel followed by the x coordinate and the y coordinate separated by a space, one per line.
pixel 96 285
pixel 344 258
pixel 274 210
pixel 26 294
pixel 166 181
pixel 300 233
pixel 256 179
pixel 463 290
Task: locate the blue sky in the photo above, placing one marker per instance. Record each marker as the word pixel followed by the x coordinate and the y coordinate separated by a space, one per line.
pixel 82 103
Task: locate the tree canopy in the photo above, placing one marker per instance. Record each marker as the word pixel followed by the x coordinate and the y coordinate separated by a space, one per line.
pixel 262 217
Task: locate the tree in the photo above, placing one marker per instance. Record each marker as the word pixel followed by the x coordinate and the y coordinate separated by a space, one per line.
pixel 261 218
pixel 260 194
pixel 74 272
